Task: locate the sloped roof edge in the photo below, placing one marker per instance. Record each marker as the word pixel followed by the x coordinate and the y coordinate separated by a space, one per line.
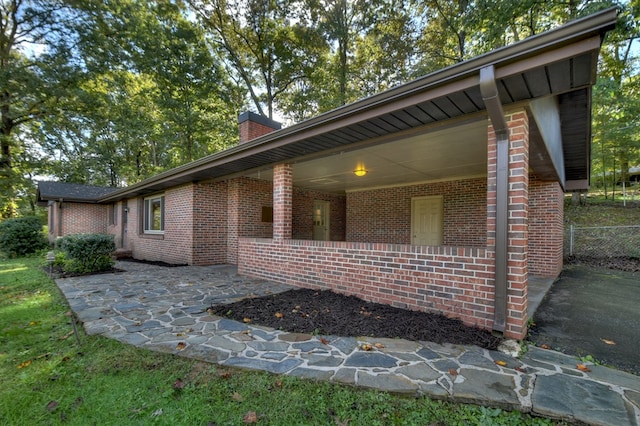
pixel 593 25
pixel 72 192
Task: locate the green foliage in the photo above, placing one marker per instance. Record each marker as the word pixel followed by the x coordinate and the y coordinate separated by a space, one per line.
pixel 105 382
pixel 21 236
pixel 87 253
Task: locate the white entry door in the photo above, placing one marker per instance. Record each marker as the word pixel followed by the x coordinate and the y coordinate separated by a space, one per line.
pixel 426 221
pixel 321 227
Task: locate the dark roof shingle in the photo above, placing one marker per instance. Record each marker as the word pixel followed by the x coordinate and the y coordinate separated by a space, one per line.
pixel 74 192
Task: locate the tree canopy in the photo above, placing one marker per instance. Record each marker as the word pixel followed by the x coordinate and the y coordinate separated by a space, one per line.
pixel 112 92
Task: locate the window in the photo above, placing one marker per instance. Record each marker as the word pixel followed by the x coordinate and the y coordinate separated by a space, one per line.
pixel 267 214
pixel 113 214
pixel 154 215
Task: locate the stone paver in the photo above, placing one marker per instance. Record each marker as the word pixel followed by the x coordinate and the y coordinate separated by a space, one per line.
pixel 164 309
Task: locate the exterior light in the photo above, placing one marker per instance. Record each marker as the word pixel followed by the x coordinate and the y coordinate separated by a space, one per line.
pixel 360 171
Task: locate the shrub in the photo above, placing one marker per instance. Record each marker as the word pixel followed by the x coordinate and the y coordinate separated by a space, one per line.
pixel 87 253
pixel 21 236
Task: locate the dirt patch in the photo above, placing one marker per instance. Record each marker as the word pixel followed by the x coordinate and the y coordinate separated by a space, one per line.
pixel 628 264
pixel 327 313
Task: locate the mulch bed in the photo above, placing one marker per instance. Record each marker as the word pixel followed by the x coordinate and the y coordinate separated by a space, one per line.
pixel 327 313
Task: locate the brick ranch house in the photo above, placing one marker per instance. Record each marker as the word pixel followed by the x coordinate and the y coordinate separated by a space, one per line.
pixel 443 194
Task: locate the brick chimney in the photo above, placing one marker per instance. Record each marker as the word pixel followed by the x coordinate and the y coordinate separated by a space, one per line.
pixel 254 125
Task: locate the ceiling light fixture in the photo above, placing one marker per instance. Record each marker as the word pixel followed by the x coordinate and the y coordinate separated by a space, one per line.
pixel 360 171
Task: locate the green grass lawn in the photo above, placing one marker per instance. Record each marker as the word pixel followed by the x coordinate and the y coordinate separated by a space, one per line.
pixel 48 379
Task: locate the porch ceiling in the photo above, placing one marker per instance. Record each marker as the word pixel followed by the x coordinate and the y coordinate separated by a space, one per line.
pixel 442 154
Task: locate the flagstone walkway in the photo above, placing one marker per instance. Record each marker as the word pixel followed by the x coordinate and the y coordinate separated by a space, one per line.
pixel 164 309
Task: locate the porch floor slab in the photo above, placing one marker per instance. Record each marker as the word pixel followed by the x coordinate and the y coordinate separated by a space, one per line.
pixel 165 309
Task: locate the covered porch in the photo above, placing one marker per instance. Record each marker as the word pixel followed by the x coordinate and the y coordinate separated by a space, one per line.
pixel 420 225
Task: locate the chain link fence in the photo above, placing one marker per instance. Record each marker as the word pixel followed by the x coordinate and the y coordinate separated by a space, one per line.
pixel 602 242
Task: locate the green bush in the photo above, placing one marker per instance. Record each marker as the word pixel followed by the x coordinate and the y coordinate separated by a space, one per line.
pixel 21 236
pixel 87 253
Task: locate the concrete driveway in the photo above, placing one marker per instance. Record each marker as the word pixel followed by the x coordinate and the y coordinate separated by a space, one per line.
pixel 593 312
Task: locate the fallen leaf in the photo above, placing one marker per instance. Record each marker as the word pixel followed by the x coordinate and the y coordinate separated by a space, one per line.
pixel 324 341
pixel 24 364
pixel 179 334
pixel 32 323
pixel 379 345
pixel 250 417
pixel 178 384
pixel 583 368
pixel 247 331
pixel 247 320
pixel 608 342
pixel 366 347
pixel 279 315
pixel 66 336
pixel 279 384
pixel 52 405
pixel 225 375
pixel 189 330
pixel 237 397
pixel 181 345
pixel 453 371
pixel 501 363
pixel 545 346
pixel 520 369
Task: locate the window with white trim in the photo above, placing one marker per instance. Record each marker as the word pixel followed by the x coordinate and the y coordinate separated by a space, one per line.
pixel 154 215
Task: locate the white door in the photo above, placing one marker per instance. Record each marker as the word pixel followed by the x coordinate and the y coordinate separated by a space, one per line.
pixel 426 221
pixel 321 220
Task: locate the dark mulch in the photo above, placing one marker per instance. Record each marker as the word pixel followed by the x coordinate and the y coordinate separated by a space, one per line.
pixel 152 262
pixel 328 313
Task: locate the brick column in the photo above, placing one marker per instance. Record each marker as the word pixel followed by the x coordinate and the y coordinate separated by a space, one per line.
pixel 546 226
pixel 282 201
pixel 517 234
pixel 233 229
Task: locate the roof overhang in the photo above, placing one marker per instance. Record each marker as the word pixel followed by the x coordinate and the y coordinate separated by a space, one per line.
pixel 558 64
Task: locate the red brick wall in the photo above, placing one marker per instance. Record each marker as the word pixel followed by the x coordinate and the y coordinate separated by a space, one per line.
pixel 384 215
pixel 546 221
pixel 303 214
pixel 455 281
pixel 81 218
pixel 246 197
pixel 175 246
pixel 210 223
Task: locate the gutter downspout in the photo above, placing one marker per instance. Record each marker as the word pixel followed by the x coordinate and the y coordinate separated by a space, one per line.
pixel 491 98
